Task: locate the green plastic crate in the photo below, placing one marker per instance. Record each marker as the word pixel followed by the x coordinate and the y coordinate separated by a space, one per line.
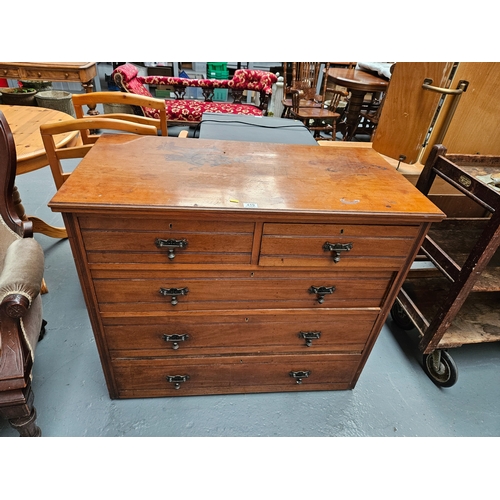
pixel 216 66
pixel 220 94
pixel 218 75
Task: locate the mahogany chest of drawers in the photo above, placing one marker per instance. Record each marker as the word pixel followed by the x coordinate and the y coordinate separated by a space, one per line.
pixel 219 267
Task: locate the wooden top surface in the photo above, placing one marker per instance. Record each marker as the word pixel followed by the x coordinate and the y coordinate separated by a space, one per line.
pixel 52 65
pixel 144 172
pixel 56 71
pixel 356 79
pixel 25 121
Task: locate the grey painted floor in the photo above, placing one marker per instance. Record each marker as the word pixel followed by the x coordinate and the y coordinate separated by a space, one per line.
pixel 392 398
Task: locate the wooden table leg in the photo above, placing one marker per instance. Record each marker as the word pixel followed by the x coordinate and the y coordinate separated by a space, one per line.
pixel 351 121
pixel 89 87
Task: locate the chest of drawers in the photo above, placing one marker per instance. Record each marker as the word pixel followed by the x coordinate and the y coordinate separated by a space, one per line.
pixel 213 267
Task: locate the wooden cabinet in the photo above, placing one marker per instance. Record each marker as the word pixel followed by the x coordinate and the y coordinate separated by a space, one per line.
pixel 213 267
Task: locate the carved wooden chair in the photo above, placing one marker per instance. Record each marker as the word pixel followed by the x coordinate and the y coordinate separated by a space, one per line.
pixel 319 119
pixel 85 126
pixel 146 110
pixel 305 76
pixel 21 274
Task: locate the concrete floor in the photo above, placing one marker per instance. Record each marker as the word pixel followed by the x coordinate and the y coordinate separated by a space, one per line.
pixel 393 397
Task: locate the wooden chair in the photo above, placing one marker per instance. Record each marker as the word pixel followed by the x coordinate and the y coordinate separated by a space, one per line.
pixel 370 116
pixel 21 274
pixel 84 125
pixel 147 110
pixel 305 76
pixel 319 119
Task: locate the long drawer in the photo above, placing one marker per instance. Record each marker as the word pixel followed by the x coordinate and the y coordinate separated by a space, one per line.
pixel 223 290
pixel 233 374
pixel 120 240
pixel 336 246
pixel 184 334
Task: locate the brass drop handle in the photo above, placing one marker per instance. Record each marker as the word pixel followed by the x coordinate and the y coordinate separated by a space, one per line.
pixel 174 293
pixel 298 376
pixel 309 337
pixel 177 380
pixel 175 339
pixel 171 245
pixel 321 291
pixel 337 249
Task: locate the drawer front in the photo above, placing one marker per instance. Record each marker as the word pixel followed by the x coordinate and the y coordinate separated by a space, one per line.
pixel 336 246
pixel 178 335
pixel 233 374
pixel 52 74
pixel 181 291
pixel 10 73
pixel 163 241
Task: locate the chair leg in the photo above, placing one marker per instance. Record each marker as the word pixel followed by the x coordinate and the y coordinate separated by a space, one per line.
pixel 17 407
pixel 42 330
pixel 26 426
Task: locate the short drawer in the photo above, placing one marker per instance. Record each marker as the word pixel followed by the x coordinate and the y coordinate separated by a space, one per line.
pixel 9 73
pixel 336 246
pixel 120 240
pixel 52 74
pixel 208 290
pixel 249 332
pixel 233 374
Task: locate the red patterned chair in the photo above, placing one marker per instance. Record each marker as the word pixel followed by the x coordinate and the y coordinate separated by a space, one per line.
pixel 182 111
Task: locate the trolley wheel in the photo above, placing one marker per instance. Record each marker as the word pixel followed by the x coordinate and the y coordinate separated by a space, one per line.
pixel 440 368
pixel 400 317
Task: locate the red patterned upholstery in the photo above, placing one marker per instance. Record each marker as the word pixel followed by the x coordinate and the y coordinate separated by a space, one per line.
pixel 185 82
pixel 187 110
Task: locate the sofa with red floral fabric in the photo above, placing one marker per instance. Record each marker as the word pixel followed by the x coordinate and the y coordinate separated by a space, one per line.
pixel 180 110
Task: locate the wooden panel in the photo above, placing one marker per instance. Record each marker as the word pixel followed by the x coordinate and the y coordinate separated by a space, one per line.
pixel 240 332
pixel 302 245
pixel 408 109
pixel 218 290
pixel 122 240
pixel 9 73
pixel 233 374
pixel 139 247
pixel 475 128
pixel 227 176
pixel 34 74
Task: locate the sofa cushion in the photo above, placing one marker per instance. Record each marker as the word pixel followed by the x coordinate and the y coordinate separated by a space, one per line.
pixel 191 111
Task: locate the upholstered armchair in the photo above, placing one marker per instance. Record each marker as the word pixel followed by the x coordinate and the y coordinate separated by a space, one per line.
pixel 21 274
